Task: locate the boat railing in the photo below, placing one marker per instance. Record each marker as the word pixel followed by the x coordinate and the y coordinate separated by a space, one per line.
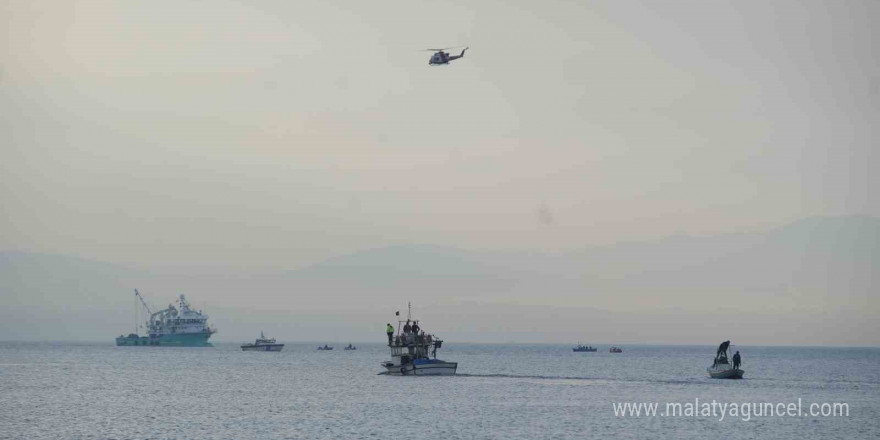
pixel 410 350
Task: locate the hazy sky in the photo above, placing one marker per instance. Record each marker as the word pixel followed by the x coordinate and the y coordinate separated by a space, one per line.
pixel 216 141
pixel 279 133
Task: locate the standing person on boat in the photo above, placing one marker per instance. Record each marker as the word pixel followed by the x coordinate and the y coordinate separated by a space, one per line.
pixel 736 361
pixel 722 349
pixel 407 333
pixel 415 332
pixel 389 330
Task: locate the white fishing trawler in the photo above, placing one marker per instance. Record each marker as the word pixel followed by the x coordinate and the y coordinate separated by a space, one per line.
pixel 414 352
pixel 263 344
pixel 173 326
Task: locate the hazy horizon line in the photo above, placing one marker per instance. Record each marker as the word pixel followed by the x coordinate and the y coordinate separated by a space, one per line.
pixel 447 342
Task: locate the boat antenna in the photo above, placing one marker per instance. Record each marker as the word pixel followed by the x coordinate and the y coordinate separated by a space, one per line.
pixel 408 310
pixel 135 312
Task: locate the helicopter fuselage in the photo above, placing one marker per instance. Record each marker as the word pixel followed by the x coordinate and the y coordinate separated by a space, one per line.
pixel 442 57
pixel 439 58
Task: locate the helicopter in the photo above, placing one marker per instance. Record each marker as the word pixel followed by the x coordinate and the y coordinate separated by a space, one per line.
pixel 442 57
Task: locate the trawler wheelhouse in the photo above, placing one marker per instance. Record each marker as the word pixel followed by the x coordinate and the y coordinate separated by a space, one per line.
pixel 183 320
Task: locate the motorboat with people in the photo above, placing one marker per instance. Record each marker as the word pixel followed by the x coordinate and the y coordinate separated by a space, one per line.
pixel 350 347
pixel 721 367
pixel 584 349
pixel 615 350
pixel 414 352
pixel 325 348
pixel 263 344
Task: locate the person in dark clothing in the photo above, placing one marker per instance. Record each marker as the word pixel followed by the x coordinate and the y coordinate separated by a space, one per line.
pixel 407 328
pixel 415 328
pixel 389 329
pixel 722 349
pixel 736 360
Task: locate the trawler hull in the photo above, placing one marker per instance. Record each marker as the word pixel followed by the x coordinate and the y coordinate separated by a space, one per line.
pixel 173 340
pixel 433 367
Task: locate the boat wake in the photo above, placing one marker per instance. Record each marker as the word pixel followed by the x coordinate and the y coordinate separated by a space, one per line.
pixel 524 376
pixel 519 376
pixel 585 378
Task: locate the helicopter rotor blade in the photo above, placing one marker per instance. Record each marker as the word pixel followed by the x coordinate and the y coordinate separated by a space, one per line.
pixel 438 50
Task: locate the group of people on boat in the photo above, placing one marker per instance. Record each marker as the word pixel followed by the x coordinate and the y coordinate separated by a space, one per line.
pixel 412 334
pixel 721 356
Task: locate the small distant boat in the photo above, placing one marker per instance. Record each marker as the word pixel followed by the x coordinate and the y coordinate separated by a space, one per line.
pixel 351 347
pixel 721 367
pixel 263 344
pixel 325 347
pixel 615 350
pixel 584 349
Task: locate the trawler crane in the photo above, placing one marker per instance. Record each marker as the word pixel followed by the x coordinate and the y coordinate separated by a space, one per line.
pixel 138 295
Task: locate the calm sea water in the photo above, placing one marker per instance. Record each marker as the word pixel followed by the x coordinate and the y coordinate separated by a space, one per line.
pixel 503 391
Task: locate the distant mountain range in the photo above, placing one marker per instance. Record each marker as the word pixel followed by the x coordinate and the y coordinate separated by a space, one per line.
pixel 817 275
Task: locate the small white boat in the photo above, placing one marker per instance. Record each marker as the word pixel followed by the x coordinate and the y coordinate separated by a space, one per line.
pixel 414 353
pixel 263 344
